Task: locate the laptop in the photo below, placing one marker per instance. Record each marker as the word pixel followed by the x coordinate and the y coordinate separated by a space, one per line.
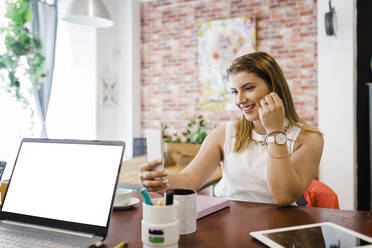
pixel 60 193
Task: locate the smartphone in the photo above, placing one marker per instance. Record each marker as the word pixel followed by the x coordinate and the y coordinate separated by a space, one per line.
pixel 2 168
pixel 154 140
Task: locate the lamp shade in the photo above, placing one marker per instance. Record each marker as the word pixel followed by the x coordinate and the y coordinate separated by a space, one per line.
pixel 88 12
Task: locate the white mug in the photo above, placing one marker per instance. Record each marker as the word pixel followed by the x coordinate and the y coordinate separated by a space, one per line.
pixel 122 196
pixel 186 199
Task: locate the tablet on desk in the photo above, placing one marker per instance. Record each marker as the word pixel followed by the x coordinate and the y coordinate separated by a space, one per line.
pixel 326 234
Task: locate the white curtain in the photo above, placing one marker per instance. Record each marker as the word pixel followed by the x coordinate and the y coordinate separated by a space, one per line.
pixel 44 25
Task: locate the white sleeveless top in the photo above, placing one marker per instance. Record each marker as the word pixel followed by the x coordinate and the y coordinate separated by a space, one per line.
pixel 244 176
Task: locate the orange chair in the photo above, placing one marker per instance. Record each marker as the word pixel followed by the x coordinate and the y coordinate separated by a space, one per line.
pixel 320 195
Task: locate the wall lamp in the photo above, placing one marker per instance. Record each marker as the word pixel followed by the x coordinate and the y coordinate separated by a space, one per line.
pixel 330 21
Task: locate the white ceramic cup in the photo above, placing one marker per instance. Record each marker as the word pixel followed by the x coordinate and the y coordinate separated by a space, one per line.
pixel 122 196
pixel 186 207
pixel 159 225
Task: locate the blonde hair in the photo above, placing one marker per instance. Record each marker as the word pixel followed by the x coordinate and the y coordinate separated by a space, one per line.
pixel 265 67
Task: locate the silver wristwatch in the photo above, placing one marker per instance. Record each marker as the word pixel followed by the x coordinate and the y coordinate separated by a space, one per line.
pixel 277 137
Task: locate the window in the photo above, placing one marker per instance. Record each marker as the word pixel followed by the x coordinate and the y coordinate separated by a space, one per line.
pixel 72 107
pixel 15 120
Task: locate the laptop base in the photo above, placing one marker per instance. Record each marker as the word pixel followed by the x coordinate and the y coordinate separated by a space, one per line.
pixel 22 236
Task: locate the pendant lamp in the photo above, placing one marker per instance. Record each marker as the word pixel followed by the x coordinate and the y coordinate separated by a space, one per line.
pixel 88 12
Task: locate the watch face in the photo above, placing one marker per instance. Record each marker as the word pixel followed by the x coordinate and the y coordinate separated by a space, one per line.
pixel 280 139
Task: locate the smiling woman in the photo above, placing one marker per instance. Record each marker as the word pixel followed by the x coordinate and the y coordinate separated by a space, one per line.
pixel 270 155
pixel 254 73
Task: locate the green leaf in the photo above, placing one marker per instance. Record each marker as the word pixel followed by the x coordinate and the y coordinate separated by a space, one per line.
pixel 14 82
pixel 9 41
pixel 19 49
pixel 11 76
pixel 24 38
pixel 11 11
pixel 37 42
pixel 29 16
pixel 20 42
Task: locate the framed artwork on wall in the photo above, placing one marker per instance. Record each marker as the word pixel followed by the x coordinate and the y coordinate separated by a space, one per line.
pixel 219 43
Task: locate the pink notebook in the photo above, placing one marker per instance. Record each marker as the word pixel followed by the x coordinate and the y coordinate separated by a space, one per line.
pixel 206 205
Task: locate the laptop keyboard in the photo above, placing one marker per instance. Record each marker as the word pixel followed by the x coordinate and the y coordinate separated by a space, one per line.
pixel 10 238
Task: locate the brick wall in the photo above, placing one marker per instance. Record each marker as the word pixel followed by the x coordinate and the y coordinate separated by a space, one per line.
pixel 286 29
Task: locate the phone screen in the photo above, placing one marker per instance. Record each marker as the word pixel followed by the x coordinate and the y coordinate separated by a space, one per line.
pixel 155 147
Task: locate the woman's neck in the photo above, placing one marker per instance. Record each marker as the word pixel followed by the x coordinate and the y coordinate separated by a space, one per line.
pixel 258 128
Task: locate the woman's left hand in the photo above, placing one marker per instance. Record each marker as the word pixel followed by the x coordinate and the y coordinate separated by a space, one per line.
pixel 272 112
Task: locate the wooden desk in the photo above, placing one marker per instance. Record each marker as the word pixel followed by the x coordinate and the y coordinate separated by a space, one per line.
pixel 130 175
pixel 230 227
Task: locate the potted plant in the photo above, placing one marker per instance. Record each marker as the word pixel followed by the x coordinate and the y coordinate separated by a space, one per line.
pixel 22 61
pixel 184 149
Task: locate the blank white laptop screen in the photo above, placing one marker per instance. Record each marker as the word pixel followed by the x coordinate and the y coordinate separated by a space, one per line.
pixel 53 180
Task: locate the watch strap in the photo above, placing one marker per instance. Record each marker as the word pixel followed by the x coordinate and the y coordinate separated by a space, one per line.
pixel 269 139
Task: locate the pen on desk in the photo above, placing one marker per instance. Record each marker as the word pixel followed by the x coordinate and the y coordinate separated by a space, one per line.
pixel 145 195
pixel 169 197
pixel 122 244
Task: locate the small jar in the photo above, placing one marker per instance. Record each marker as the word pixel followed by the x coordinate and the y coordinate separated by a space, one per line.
pixel 160 225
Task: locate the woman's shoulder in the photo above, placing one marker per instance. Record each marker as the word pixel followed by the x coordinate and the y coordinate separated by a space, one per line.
pixel 218 131
pixel 222 129
pixel 310 138
pixel 218 134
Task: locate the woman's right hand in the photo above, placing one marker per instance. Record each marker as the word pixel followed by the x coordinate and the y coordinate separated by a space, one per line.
pixel 154 181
